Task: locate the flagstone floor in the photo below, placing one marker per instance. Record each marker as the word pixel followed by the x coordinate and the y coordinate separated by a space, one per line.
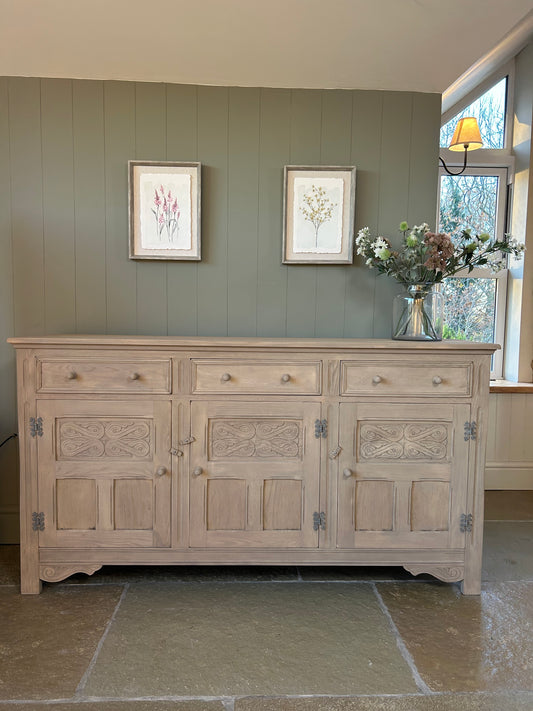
pixel 270 639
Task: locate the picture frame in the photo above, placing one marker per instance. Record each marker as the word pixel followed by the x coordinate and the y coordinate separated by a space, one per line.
pixel 164 210
pixel 318 214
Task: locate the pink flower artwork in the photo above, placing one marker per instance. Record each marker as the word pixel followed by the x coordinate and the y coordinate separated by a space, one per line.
pixel 166 213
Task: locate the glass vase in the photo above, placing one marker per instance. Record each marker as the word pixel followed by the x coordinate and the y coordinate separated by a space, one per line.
pixel 417 313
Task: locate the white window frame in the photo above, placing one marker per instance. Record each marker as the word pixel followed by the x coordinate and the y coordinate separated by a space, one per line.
pixel 493 161
pixel 501 276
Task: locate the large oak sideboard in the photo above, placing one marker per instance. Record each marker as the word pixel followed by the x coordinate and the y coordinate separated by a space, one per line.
pixel 164 450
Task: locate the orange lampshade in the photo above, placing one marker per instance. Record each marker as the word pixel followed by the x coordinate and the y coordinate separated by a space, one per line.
pixel 466 134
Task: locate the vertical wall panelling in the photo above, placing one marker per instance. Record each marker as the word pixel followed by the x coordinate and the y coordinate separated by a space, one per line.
pixel 27 205
pixel 243 176
pixel 423 160
pixel 367 109
pixel 150 144
pixel 306 129
pixel 182 146
pixel 8 419
pixel 121 274
pixel 393 192
pixel 58 206
pixel 273 155
pixel 213 154
pixel 509 445
pixel 89 205
pixel 64 149
pixel 335 144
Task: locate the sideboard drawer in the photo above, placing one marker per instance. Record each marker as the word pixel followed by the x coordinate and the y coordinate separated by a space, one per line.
pixel 84 375
pixel 256 377
pixel 387 378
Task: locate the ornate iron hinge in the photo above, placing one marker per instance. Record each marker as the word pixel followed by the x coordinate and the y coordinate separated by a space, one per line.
pixel 465 524
pixel 470 430
pixel 36 426
pixel 319 521
pixel 321 428
pixel 37 521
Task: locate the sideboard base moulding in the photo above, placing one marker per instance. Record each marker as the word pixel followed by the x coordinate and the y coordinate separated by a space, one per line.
pixel 233 451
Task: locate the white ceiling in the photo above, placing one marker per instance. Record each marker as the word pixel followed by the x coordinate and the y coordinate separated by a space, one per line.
pixel 410 45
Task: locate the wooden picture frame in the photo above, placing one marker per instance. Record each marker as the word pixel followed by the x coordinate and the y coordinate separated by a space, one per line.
pixel 164 210
pixel 318 214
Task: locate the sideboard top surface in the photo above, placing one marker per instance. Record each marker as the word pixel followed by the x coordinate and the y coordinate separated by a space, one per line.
pixel 222 342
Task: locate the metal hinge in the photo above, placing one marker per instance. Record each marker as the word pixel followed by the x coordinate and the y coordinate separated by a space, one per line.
pixel 321 428
pixel 466 523
pixel 37 521
pixel 470 430
pixel 319 521
pixel 36 426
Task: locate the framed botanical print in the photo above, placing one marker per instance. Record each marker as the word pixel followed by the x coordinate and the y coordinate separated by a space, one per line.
pixel 318 214
pixel 164 210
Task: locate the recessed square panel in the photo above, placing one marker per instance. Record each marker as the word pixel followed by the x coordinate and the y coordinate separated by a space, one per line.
pixel 76 504
pixel 282 505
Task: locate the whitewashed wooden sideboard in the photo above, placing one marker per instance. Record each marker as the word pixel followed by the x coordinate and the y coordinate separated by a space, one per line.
pixel 163 450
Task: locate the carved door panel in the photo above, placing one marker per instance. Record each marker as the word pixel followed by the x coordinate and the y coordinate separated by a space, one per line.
pixel 254 474
pixel 402 475
pixel 105 473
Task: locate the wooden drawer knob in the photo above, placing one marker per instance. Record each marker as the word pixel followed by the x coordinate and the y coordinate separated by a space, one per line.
pixel 161 471
pixel 437 380
pixel 376 379
pixel 226 377
pixel 197 471
pixel 285 378
pixel 72 375
pixel 347 473
pixel 135 376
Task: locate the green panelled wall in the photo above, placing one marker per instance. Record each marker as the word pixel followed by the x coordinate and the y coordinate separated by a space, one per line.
pixel 64 267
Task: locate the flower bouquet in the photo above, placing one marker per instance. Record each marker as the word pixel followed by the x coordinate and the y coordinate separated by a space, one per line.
pixel 425 259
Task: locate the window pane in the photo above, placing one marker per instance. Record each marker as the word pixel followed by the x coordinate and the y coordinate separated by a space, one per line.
pixel 489 110
pixel 469 309
pixel 468 201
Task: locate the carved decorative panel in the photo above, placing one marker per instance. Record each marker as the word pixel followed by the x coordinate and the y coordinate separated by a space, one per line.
pixel 403 440
pixel 255 438
pixel 98 438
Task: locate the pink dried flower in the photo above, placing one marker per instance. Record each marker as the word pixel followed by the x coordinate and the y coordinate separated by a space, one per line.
pixel 157 199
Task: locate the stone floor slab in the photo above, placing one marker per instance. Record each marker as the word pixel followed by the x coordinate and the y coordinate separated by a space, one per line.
pixel 48 640
pixel 235 639
pixel 449 702
pixel 459 643
pixel 507 547
pixel 145 705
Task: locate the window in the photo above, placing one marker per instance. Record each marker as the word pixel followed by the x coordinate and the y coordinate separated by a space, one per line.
pixel 490 111
pixel 474 304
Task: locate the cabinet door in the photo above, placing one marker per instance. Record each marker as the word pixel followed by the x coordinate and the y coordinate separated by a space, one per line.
pixel 402 475
pixel 104 473
pixel 254 474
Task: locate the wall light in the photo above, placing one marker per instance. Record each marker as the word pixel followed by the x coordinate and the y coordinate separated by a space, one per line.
pixel 465 137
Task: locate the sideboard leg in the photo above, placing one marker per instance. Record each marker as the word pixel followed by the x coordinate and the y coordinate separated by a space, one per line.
pixel 30 583
pixel 471 585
